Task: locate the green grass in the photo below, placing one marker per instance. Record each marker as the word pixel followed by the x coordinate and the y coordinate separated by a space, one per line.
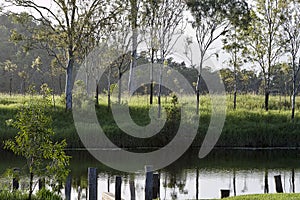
pixel 266 197
pixel 248 126
pixel 18 195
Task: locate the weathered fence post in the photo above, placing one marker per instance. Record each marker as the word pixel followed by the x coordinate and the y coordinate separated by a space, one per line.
pixel 16 184
pixel 118 188
pixel 149 183
pixel 132 189
pixel 92 182
pixel 68 187
pixel 278 184
pixel 156 186
pixel 225 193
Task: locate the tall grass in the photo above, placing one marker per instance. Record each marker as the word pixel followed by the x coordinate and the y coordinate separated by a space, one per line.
pixel 247 126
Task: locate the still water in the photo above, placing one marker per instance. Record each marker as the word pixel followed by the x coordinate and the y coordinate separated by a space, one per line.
pixel 246 171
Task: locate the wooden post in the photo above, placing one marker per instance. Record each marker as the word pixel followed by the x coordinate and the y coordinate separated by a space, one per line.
pixel 278 184
pixel 68 187
pixel 16 184
pixel 156 186
pixel 225 193
pixel 92 182
pixel 132 189
pixel 149 183
pixel 118 188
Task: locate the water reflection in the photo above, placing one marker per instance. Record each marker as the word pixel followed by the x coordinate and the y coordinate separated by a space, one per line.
pixel 240 171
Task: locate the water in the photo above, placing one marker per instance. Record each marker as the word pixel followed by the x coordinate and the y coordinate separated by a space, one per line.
pixel 240 171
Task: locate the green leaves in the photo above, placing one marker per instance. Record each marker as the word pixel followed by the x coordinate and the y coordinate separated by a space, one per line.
pixel 34 142
pixel 219 10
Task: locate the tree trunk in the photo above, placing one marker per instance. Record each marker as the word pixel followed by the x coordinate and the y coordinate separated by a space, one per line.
pixel 234 100
pixel 60 85
pixel 30 186
pixel 10 86
pixel 120 87
pixel 151 78
pixel 108 90
pixel 97 93
pixel 69 84
pixel 134 11
pixel 267 94
pixel 198 93
pixel 159 92
pixel 53 90
pixel 23 87
pixel 293 98
pixel 152 59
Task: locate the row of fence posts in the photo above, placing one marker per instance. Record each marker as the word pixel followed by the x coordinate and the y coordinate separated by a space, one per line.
pixel 152 185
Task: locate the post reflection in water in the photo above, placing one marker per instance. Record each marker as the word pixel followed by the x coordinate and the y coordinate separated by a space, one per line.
pixel 266 190
pixel 246 171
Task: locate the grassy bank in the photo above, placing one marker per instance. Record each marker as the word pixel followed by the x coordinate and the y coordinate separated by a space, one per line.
pixel 248 126
pixel 266 197
pixel 17 195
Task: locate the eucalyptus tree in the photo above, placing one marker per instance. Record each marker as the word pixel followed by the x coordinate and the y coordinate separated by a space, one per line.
pixel 264 40
pixel 291 37
pixel 211 20
pixel 134 15
pixel 166 22
pixel 235 47
pixel 120 39
pixel 66 29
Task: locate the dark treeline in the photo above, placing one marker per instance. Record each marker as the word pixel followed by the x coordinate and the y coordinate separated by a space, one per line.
pixel 249 81
pixel 21 68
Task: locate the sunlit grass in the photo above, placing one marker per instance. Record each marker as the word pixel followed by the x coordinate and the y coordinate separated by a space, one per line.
pixel 266 197
pixel 247 126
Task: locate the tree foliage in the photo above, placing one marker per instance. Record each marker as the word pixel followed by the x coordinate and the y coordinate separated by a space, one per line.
pixel 291 38
pixel 66 31
pixel 34 142
pixel 211 20
pixel 264 39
